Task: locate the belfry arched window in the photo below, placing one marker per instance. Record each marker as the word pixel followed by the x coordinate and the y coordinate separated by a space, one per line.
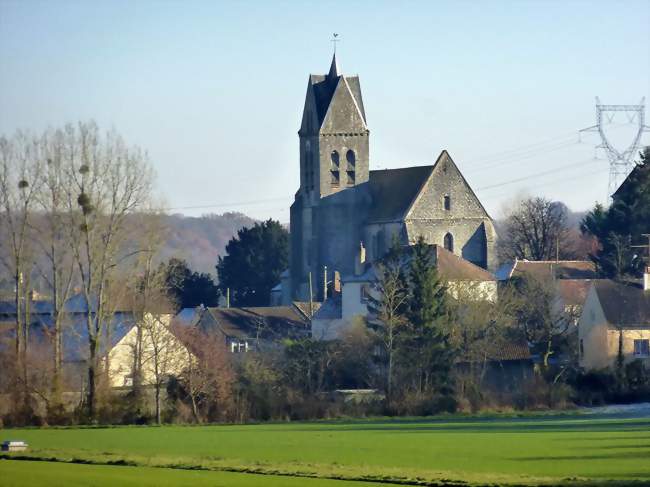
pixel 351 157
pixel 335 159
pixel 449 242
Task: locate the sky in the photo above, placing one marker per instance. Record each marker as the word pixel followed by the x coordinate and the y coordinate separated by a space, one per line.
pixel 214 90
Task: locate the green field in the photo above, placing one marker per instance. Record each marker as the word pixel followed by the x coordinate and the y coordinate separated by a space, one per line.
pixel 543 450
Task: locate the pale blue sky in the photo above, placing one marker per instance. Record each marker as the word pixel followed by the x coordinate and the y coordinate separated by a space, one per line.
pixel 214 90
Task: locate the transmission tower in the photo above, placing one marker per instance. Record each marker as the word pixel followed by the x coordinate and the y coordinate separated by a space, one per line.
pixel 621 163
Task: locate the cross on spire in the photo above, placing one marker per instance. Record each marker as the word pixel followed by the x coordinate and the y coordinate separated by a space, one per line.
pixel 334 40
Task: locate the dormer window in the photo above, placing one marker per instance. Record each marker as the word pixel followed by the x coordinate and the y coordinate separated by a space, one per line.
pixel 447 202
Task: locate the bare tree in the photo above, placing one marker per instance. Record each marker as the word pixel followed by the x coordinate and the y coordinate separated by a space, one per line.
pixel 108 182
pixel 57 269
pixel 387 305
pixel 21 173
pixel 208 377
pixel 535 229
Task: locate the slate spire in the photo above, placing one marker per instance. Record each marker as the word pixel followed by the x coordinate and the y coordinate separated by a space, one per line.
pixel 335 71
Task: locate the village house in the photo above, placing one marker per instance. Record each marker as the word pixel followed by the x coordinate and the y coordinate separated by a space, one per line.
pixel 255 328
pixel 339 311
pixel 615 317
pixel 571 280
pixel 162 353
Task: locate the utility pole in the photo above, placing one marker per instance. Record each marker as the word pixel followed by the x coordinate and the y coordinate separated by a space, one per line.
pixel 311 298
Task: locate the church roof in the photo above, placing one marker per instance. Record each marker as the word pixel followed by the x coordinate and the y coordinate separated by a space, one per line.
pixel 393 191
pixel 325 86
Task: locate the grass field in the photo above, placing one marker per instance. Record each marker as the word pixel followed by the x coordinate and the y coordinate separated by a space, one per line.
pixel 545 450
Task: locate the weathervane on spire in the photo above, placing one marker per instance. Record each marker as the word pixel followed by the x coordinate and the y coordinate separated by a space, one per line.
pixel 334 40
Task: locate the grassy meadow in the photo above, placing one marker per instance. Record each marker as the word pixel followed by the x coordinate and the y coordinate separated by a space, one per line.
pixel 551 450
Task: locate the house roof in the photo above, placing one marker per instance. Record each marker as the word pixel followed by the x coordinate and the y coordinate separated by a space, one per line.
pixel 500 350
pixel 624 304
pixel 394 190
pixel 303 307
pixel 331 309
pixel 546 269
pixel 455 268
pixel 574 291
pixel 267 322
pixel 449 265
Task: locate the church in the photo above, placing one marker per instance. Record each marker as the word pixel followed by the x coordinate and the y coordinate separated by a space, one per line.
pixel 342 208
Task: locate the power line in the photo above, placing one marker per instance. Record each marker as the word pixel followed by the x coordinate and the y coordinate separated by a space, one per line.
pixel 539 174
pixel 222 205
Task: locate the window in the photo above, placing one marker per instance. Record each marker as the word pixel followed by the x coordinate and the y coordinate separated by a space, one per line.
pixel 349 155
pixel 335 159
pixel 449 242
pixel 239 347
pixel 335 178
pixel 447 202
pixel 641 348
pixel 350 177
pixel 582 348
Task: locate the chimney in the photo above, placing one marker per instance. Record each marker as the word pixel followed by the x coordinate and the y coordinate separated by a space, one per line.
pixel 360 260
pixel 646 279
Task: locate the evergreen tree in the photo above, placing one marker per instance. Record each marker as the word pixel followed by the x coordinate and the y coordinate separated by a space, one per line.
pixel 189 288
pixel 427 340
pixel 621 225
pixel 253 264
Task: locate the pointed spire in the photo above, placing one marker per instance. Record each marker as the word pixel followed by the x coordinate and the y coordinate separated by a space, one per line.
pixel 335 71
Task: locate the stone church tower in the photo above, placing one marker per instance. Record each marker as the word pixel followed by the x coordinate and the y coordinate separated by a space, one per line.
pixel 343 206
pixel 334 155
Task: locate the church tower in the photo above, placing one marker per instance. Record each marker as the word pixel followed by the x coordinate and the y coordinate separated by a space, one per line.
pixel 334 156
pixel 333 134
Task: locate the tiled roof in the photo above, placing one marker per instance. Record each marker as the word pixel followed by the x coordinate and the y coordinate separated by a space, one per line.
pixel 500 350
pixel 563 269
pixel 574 291
pixel 625 304
pixel 303 307
pixel 455 268
pixel 267 322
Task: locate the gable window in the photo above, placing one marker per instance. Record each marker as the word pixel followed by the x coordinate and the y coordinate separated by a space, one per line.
pixel 642 348
pixel 351 157
pixel 447 202
pixel 449 242
pixel 335 159
pixel 350 177
pixel 335 180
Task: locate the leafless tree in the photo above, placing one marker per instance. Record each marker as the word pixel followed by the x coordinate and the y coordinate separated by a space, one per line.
pixel 21 173
pixel 108 182
pixel 52 236
pixel 387 318
pixel 535 229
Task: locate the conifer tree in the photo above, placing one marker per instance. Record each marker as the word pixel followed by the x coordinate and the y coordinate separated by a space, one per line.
pixel 427 341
